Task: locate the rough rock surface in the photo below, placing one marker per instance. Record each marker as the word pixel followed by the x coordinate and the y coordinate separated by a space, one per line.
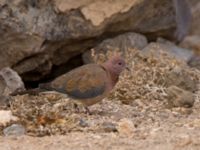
pixel 38 35
pixel 178 97
pixel 179 53
pixel 11 81
pixel 195 30
pixel 119 43
pixel 135 115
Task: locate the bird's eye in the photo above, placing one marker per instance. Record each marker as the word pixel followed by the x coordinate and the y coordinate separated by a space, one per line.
pixel 120 63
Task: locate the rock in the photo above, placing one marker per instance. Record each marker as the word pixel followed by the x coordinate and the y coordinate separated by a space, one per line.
pixel 6 117
pixel 192 42
pixel 195 30
pixel 2 85
pixel 83 123
pixel 168 47
pixel 183 19
pixel 4 102
pixel 126 127
pixel 178 97
pixel 14 129
pixel 194 62
pixel 109 127
pixel 179 77
pixel 120 43
pixel 43 34
pixel 12 80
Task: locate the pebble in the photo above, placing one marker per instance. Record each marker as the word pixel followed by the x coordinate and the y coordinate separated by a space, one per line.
pixel 126 128
pixel 14 129
pixel 6 117
pixel 83 123
pixel 109 127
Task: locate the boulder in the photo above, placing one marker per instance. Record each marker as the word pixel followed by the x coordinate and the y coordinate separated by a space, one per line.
pixel 195 29
pixel 36 35
pixel 119 43
pixel 178 97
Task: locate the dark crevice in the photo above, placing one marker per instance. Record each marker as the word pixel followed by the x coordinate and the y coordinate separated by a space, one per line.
pixel 77 60
pixel 56 71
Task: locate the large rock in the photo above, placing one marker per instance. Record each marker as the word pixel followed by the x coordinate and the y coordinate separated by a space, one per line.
pixel 192 42
pixel 35 35
pixel 119 43
pixel 195 29
pixel 10 82
pixel 179 53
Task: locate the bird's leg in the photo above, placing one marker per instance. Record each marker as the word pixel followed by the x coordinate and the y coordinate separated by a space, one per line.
pixel 88 110
pixel 78 110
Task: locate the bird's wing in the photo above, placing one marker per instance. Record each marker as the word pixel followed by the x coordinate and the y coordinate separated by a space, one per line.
pixel 85 82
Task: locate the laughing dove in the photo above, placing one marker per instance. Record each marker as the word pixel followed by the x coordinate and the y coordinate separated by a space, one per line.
pixel 89 83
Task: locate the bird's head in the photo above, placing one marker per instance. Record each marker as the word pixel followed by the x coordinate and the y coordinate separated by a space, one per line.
pixel 115 65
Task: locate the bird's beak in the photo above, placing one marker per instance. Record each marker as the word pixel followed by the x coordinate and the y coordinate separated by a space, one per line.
pixel 127 68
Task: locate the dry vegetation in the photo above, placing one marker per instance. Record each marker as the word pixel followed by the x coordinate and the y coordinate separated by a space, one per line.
pixel 140 96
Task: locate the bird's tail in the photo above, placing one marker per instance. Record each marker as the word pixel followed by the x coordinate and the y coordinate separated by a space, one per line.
pixel 42 88
pixel 35 91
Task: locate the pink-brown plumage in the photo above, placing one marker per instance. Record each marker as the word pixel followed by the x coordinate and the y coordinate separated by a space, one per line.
pixel 89 83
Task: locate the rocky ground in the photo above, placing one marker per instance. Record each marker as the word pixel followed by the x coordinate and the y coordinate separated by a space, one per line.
pixel 146 128
pixel 155 105
pixel 148 110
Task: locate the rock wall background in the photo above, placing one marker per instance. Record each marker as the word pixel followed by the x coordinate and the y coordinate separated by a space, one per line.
pixel 38 35
pixel 155 105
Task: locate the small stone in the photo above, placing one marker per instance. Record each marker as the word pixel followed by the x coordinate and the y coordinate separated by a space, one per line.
pixel 125 127
pixel 83 123
pixel 178 97
pixel 14 129
pixel 6 117
pixel 109 127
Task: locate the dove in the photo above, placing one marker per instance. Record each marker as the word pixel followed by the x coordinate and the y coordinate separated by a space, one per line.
pixel 89 83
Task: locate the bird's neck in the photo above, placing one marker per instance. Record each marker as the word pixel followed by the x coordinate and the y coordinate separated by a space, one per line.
pixel 113 76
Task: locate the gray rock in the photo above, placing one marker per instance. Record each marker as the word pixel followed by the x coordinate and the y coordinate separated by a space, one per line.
pixel 83 123
pixel 195 29
pixel 4 102
pixel 14 130
pixel 120 43
pixel 2 85
pixel 13 81
pixel 192 43
pixel 180 78
pixel 194 62
pixel 177 75
pixel 168 47
pixel 35 35
pixel 178 97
